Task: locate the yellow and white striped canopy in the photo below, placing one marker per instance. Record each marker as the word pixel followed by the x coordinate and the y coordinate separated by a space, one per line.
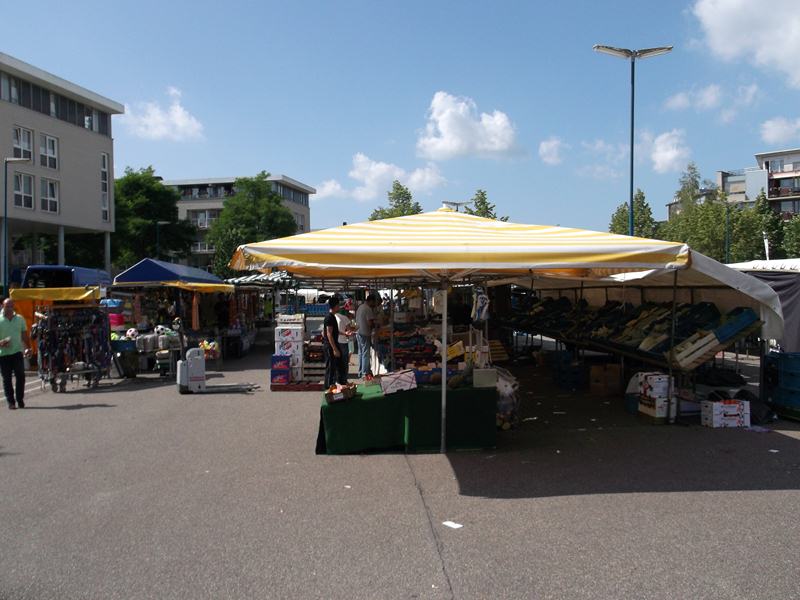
pixel 445 243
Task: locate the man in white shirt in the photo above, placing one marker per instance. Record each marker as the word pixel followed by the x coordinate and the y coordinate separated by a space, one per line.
pixel 345 332
pixel 365 320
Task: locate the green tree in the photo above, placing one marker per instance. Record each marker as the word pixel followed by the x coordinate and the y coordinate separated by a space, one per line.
pixel 704 227
pixel 643 223
pixel 481 207
pixel 400 203
pixel 791 237
pixel 747 239
pixel 253 214
pixel 141 201
pixel 771 224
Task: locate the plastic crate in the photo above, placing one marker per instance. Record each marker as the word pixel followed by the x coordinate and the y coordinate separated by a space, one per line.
pixel 738 319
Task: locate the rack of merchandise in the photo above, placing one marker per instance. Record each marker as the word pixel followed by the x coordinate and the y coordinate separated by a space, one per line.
pixel 72 341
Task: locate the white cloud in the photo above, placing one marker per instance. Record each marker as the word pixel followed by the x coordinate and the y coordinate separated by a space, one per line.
pixel 704 98
pixel 679 101
pixel 708 97
pixel 612 153
pixel 374 179
pixel 765 35
pixel 712 97
pixel 550 150
pixel 455 128
pixel 780 130
pixel 600 171
pixel 149 120
pixel 668 151
pixel 609 156
pixel 329 188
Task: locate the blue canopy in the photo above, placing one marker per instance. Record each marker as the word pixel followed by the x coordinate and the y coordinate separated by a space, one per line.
pixel 149 270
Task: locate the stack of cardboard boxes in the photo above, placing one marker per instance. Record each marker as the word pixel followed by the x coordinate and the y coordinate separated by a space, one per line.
pixel 287 361
pixel 654 396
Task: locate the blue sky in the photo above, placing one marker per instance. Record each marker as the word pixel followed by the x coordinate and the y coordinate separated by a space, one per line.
pixel 446 96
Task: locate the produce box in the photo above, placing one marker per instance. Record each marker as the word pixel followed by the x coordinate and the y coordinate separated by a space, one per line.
pixel 287 348
pixel 287 333
pixel 280 376
pixel 338 393
pixel 484 378
pixel 398 381
pixel 725 413
pixel 654 384
pixel 657 408
pixel 281 362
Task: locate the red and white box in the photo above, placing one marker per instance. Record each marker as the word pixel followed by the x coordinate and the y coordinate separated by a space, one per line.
pixel 725 413
pixel 289 348
pixel 654 385
pixel 398 381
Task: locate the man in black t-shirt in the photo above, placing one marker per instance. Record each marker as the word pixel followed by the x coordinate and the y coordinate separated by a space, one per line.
pixel 330 344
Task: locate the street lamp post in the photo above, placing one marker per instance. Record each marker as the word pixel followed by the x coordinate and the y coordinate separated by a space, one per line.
pixel 632 55
pixel 158 246
pixel 6 161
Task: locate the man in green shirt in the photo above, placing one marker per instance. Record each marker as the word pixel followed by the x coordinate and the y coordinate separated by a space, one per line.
pixel 13 336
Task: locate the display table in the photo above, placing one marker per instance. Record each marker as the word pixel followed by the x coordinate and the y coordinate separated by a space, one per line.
pixel 408 421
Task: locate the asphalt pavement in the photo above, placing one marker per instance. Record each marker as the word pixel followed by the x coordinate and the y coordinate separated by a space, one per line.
pixel 135 491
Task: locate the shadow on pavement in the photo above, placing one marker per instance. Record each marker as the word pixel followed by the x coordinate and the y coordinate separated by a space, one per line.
pixel 571 443
pixel 78 406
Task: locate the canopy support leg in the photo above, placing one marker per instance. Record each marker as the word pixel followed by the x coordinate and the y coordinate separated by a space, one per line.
pixel 443 448
pixel 671 390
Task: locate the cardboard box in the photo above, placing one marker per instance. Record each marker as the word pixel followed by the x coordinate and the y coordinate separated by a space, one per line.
pixel 289 334
pixel 280 376
pixel 398 381
pixel 297 374
pixel 654 385
pixel 289 348
pixel 484 378
pixel 455 350
pixel 725 413
pixel 604 380
pixel 657 408
pixel 281 362
pixel 295 360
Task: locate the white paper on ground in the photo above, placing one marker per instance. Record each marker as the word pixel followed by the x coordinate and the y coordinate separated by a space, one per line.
pixel 452 525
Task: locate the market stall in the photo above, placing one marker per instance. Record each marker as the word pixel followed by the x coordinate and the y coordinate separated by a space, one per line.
pixel 781 377
pixel 154 293
pixel 444 246
pixel 70 334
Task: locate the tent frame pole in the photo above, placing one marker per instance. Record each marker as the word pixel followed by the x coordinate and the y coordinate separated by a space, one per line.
pixel 391 328
pixel 443 447
pixel 671 389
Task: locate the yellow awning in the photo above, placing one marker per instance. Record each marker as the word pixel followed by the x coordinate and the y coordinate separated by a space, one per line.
pixel 74 294
pixel 445 243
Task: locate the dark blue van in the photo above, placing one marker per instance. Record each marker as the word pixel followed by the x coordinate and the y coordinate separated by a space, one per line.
pixel 50 276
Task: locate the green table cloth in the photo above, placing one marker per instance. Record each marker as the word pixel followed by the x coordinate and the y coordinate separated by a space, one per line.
pixel 408 420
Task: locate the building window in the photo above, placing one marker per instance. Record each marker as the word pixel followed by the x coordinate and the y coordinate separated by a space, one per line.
pixel 202 248
pixel 48 151
pixel 104 211
pixel 5 91
pixel 14 90
pixel 23 142
pixel 48 198
pixel 23 190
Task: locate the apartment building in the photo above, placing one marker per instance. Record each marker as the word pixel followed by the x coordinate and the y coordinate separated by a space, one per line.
pixel 202 201
pixel 777 173
pixel 58 151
